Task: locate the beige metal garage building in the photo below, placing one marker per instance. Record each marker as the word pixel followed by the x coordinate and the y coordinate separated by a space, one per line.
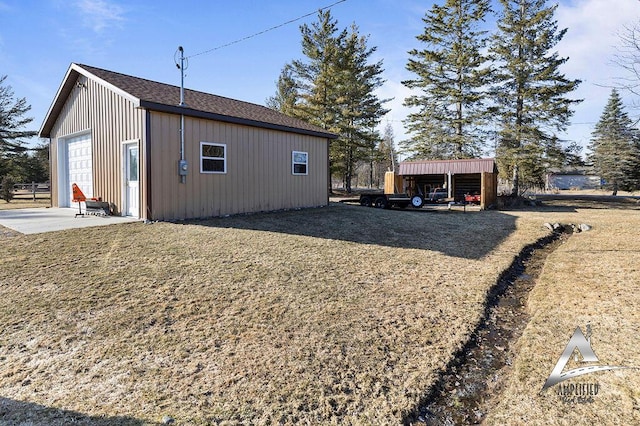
pixel 119 138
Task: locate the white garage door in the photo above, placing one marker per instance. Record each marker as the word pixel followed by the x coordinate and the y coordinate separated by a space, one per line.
pixel 79 166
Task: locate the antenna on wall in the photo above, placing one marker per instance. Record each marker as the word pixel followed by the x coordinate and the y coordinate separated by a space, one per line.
pixel 182 67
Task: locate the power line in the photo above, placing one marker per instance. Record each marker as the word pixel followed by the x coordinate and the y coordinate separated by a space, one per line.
pixel 266 31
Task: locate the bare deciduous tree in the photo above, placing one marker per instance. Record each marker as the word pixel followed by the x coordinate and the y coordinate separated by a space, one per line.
pixel 628 58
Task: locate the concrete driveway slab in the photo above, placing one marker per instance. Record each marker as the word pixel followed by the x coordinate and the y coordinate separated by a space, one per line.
pixel 39 220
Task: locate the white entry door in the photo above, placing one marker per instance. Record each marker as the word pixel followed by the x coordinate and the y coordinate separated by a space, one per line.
pixel 79 168
pixel 131 180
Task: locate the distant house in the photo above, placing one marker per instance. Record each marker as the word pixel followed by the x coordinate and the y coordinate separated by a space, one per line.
pixel 473 176
pixel 576 178
pixel 119 138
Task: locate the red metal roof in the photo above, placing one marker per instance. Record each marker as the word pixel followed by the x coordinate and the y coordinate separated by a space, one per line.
pixel 441 167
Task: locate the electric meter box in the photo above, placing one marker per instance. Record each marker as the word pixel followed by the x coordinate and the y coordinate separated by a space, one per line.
pixel 183 168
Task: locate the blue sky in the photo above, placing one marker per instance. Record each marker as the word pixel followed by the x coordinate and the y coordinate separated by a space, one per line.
pixel 40 38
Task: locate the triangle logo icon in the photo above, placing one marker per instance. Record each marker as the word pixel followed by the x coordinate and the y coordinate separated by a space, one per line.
pixel 582 344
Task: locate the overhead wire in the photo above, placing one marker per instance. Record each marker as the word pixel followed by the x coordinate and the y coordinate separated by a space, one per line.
pixel 265 31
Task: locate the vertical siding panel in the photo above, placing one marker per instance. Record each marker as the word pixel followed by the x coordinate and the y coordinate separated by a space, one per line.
pixel 285 176
pixel 221 201
pixel 224 192
pixel 229 181
pixel 111 119
pixel 273 177
pixel 237 186
pixel 281 173
pixel 230 137
pixel 254 170
pixel 214 179
pixel 281 188
pixel 192 185
pixel 269 154
pixel 269 163
pixel 204 129
pixel 247 145
pixel 195 181
pixel 234 184
pixel 256 176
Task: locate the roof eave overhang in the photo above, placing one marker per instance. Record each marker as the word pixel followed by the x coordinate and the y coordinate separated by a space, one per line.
pixel 67 85
pixel 177 109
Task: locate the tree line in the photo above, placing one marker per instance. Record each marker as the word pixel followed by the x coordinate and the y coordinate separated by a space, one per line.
pixel 18 163
pixel 475 89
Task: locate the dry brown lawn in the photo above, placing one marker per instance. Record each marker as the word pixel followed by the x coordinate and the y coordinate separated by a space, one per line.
pixel 594 278
pixel 339 315
pixel 26 203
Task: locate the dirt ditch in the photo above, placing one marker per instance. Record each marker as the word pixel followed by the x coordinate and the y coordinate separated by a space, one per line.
pixel 466 390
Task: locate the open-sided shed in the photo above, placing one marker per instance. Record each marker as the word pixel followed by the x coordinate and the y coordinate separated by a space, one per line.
pixel 459 177
pixel 131 142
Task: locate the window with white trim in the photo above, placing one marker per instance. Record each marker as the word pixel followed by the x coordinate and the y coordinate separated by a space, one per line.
pixel 213 157
pixel 299 162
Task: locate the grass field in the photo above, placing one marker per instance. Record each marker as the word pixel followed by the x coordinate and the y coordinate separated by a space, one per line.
pixel 22 202
pixel 339 315
pixel 594 278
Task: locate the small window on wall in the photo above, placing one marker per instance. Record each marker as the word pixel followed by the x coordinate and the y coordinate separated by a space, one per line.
pixel 300 161
pixel 213 158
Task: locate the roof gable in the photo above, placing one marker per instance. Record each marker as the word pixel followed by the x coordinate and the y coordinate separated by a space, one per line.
pixel 163 97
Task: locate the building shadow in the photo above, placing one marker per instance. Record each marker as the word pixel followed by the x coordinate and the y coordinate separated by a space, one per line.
pixel 470 235
pixel 21 413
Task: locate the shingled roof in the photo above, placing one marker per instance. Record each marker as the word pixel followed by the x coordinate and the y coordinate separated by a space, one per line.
pixel 163 97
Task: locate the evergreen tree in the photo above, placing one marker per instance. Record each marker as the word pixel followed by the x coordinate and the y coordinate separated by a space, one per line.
pixel 452 76
pixel 334 89
pixel 316 78
pixel 286 93
pixel 360 109
pixel 12 121
pixel 615 149
pixel 529 92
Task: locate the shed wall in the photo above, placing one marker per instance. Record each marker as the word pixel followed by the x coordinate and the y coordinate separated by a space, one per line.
pixel 258 177
pixel 110 119
pixel 489 194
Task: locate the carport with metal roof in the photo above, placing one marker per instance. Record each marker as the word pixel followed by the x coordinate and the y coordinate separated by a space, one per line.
pixel 459 177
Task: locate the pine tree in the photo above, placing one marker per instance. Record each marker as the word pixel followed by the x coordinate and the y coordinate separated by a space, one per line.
pixel 316 77
pixel 452 75
pixel 615 149
pixel 12 121
pixel 334 88
pixel 360 109
pixel 286 93
pixel 529 92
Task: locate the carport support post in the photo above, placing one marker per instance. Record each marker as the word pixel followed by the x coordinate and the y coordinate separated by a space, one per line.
pixel 449 184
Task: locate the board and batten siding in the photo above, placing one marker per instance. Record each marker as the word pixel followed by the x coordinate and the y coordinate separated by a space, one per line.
pixel 111 120
pixel 259 170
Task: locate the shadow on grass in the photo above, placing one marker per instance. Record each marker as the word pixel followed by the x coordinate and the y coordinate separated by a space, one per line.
pixel 571 202
pixel 19 413
pixel 470 235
